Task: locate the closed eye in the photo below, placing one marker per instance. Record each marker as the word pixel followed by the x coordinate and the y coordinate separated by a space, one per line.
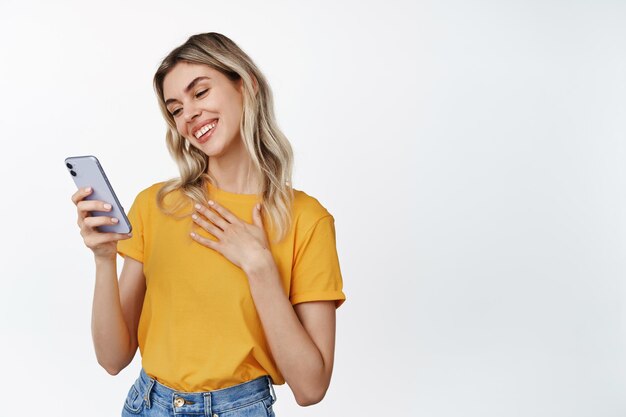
pixel 198 95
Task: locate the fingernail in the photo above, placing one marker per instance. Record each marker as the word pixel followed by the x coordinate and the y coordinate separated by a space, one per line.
pixel 210 202
pixel 197 206
pixel 88 189
pixel 107 206
pixel 258 207
pixel 130 235
pixel 114 220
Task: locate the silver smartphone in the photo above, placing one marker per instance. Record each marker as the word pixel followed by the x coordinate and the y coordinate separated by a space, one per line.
pixel 86 171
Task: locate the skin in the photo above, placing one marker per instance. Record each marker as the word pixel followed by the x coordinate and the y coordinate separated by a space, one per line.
pixel 217 97
pixel 301 337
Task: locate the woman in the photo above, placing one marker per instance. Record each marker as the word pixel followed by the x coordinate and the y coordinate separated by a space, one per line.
pixel 231 277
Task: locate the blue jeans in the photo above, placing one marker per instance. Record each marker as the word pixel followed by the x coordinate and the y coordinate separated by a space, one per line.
pixel 149 398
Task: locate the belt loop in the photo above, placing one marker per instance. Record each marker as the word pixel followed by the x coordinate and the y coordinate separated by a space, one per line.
pixel 147 394
pixel 272 393
pixel 208 404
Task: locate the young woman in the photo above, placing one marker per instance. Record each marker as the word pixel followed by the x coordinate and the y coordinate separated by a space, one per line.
pixel 231 277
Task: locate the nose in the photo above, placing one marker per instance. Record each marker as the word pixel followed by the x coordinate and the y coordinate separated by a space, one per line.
pixel 191 112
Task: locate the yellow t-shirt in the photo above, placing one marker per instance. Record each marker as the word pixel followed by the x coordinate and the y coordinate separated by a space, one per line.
pixel 199 329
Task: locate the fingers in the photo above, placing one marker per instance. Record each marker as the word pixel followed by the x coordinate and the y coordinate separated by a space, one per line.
pixel 95 240
pixel 88 205
pixel 85 206
pixel 93 205
pixel 208 226
pixel 77 198
pixel 95 221
pixel 88 223
pixel 204 241
pixel 223 211
pixel 257 219
pixel 216 219
pixel 99 242
pixel 80 194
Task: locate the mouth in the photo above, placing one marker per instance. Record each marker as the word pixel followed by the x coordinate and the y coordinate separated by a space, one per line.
pixel 204 132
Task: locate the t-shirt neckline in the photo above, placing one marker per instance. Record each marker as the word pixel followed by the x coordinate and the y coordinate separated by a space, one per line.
pixel 218 193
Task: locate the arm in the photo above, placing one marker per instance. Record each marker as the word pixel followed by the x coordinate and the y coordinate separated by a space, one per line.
pixel 301 337
pixel 116 309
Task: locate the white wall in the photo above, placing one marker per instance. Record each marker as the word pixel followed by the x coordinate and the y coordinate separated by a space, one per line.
pixel 471 153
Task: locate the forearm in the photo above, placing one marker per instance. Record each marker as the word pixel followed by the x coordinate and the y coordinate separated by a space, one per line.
pixel 109 332
pixel 297 357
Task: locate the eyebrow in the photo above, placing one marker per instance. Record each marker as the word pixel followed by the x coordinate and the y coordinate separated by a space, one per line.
pixel 189 87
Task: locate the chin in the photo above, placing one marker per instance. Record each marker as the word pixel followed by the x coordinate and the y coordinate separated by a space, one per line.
pixel 211 151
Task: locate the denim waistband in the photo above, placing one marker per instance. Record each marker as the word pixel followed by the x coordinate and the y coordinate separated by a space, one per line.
pixel 207 402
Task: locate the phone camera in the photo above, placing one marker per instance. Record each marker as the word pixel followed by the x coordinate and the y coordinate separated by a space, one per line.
pixel 67 164
pixel 73 173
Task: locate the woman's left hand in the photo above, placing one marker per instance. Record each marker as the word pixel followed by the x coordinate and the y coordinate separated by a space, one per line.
pixel 242 243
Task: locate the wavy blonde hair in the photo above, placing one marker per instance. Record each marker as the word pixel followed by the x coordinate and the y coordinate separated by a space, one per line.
pixel 268 147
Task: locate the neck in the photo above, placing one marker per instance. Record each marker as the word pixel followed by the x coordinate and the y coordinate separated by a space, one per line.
pixel 233 173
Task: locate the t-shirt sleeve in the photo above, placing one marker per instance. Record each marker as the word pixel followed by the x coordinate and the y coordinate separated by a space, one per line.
pixel 316 275
pixel 133 247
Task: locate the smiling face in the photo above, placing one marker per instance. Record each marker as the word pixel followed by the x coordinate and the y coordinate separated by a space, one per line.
pixel 206 106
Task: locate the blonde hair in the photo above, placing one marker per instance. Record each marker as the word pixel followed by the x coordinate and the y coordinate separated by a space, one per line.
pixel 269 149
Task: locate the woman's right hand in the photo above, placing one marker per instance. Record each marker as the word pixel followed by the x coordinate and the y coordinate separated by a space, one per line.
pixel 102 244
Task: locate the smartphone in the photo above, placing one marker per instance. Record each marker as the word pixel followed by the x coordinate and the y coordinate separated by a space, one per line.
pixel 86 171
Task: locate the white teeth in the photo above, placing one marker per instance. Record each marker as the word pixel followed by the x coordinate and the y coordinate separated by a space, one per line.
pixel 205 129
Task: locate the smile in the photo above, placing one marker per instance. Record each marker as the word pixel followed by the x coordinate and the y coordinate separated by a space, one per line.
pixel 204 129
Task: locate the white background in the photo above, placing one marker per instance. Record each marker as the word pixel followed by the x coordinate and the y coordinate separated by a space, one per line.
pixel 472 153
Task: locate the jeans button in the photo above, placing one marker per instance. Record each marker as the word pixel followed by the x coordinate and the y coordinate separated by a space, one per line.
pixel 179 402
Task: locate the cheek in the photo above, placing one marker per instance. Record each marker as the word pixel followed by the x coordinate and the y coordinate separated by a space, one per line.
pixel 181 127
pixel 236 113
pixel 232 105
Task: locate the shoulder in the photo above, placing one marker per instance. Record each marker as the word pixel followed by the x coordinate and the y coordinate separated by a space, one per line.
pixel 147 195
pixel 151 190
pixel 308 211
